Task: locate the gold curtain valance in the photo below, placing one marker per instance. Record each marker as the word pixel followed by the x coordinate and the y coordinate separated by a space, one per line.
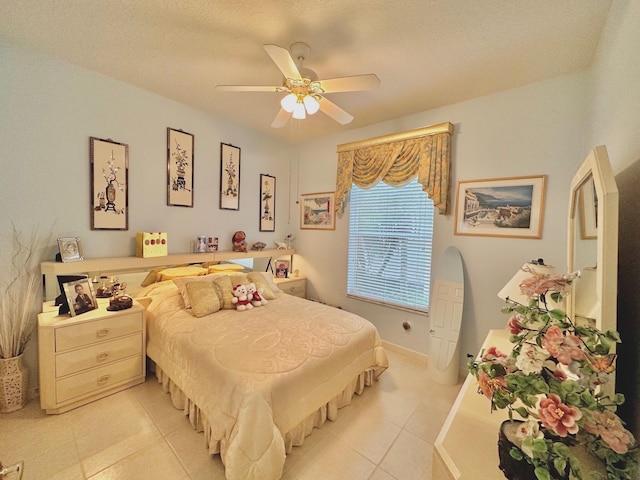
pixel 396 159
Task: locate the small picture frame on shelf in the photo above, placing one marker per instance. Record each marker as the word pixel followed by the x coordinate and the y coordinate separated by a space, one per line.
pixel 80 296
pixel 282 269
pixel 70 249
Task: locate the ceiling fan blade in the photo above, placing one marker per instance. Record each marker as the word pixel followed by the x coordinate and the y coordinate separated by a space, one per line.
pixel 355 83
pixel 281 119
pixel 282 58
pixel 334 111
pixel 248 88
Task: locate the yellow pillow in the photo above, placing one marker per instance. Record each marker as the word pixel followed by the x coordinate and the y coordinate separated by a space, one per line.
pixel 177 272
pixel 262 284
pixel 225 267
pixel 181 283
pixel 203 297
pixel 224 282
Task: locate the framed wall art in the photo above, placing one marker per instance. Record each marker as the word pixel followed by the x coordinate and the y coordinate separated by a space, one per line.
pixel 229 177
pixel 267 203
pixel 282 268
pixel 109 184
pixel 179 168
pixel 80 296
pixel 70 249
pixel 501 207
pixel 316 211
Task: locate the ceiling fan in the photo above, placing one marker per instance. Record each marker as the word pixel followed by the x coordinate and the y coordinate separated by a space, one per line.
pixel 304 90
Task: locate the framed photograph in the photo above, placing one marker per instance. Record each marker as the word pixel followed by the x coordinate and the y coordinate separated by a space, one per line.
pixel 267 203
pixel 281 268
pixel 109 184
pixel 502 207
pixel 229 177
pixel 316 211
pixel 80 296
pixel 179 168
pixel 588 205
pixel 70 249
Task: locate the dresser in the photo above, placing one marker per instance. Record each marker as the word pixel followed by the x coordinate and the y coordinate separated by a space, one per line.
pixel 89 356
pixel 296 286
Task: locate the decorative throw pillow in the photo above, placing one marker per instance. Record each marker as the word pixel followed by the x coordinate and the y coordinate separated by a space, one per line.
pixel 203 297
pixel 181 283
pixel 262 281
pixel 225 267
pixel 224 282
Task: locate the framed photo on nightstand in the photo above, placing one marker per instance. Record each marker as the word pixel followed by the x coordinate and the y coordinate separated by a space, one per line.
pixel 282 269
pixel 80 296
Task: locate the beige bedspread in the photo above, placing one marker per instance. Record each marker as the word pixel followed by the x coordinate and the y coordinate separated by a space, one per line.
pixel 261 379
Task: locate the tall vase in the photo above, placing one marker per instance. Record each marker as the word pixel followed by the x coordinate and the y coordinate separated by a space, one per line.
pixel 13 384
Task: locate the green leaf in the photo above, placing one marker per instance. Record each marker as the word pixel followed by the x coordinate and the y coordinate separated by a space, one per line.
pixel 613 335
pixel 560 464
pixel 516 454
pixel 542 473
pixel 523 412
pixel 539 446
pixel 557 314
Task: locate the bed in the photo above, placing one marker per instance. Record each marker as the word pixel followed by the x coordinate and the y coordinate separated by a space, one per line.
pixel 256 382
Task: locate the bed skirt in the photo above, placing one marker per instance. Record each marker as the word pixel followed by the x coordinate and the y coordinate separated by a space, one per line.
pixel 295 436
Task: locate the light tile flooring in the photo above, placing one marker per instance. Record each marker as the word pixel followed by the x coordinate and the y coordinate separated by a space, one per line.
pixel 386 433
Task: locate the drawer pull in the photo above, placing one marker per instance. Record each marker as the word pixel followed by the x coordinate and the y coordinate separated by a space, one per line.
pixel 103 379
pixel 102 356
pixel 102 332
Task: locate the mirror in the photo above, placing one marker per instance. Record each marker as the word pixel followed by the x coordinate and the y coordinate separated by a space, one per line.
pixel 593 243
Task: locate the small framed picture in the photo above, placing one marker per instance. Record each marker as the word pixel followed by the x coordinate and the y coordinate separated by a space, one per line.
pixel 316 211
pixel 80 296
pixel 267 203
pixel 70 249
pixel 179 168
pixel 282 268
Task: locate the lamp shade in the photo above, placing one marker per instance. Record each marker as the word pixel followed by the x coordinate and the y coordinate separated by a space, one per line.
pixel 298 111
pixel 311 104
pixel 289 102
pixel 512 290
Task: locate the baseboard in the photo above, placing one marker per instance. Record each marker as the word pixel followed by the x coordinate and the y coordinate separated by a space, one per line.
pixel 421 357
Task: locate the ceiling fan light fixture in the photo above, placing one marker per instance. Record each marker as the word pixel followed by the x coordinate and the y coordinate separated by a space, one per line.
pixel 311 104
pixel 299 111
pixel 289 102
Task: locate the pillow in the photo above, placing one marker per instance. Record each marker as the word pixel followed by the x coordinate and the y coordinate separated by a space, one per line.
pixel 263 281
pixel 224 282
pixel 225 267
pixel 181 283
pixel 203 297
pixel 177 272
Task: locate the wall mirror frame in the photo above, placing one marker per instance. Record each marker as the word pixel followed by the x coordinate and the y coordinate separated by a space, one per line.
pixel 594 203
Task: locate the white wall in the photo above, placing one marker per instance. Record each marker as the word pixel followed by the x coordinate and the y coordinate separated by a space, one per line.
pixel 535 130
pixel 49 111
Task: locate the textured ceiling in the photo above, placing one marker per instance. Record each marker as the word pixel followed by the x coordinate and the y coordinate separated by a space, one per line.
pixel 427 53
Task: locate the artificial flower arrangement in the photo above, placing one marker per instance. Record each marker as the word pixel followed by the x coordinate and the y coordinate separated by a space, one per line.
pixel 551 379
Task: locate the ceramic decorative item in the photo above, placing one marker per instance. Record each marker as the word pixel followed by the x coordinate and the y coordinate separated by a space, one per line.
pixel 13 384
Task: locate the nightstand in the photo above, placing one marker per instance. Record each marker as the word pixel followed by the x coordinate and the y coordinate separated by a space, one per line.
pixel 89 356
pixel 296 286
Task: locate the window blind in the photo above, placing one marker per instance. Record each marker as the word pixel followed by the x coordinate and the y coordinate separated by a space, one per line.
pixel 390 236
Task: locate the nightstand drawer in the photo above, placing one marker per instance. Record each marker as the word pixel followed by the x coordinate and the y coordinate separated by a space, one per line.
pixel 98 354
pixel 98 378
pixel 95 331
pixel 293 286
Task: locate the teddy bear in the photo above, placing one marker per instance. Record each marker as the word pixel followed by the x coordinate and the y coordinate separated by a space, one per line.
pixel 239 241
pixel 241 299
pixel 255 295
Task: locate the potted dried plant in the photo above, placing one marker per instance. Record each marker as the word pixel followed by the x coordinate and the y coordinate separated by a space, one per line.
pixel 20 294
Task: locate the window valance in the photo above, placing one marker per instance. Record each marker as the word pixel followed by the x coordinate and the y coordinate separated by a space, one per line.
pixel 396 159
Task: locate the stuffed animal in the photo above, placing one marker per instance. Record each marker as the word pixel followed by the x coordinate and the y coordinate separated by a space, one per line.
pixel 255 295
pixel 239 241
pixel 240 299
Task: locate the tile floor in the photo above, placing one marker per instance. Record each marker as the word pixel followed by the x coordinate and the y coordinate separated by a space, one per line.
pixel 387 433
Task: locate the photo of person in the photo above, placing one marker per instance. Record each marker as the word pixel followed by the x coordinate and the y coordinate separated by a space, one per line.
pixel 80 297
pixel 282 268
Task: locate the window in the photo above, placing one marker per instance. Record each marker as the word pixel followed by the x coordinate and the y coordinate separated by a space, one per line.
pixel 390 232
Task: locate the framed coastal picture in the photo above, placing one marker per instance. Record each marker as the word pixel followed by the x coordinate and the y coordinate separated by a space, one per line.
pixel 179 168
pixel 229 177
pixel 501 207
pixel 316 211
pixel 267 203
pixel 109 184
